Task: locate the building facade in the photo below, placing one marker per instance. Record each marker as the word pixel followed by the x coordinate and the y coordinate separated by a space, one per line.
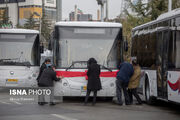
pixel 20 10
pixel 80 17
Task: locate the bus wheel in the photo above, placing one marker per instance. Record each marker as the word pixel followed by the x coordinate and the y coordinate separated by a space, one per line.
pixel 149 99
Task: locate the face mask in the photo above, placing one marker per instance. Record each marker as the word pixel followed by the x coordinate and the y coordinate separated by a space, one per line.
pixel 48 65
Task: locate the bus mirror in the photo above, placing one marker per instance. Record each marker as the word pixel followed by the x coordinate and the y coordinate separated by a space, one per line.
pixel 126 46
pixel 42 49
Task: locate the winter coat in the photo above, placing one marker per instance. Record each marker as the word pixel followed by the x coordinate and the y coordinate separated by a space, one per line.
pixel 43 66
pixel 134 80
pixel 125 72
pixel 47 78
pixel 93 73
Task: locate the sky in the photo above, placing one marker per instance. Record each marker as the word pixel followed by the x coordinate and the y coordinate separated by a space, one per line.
pixel 89 7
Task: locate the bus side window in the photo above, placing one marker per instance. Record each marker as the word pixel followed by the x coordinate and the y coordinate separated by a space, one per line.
pixel 172 51
pixel 177 49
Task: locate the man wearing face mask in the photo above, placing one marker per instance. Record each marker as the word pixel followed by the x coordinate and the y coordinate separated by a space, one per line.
pixel 45 65
pixel 47 81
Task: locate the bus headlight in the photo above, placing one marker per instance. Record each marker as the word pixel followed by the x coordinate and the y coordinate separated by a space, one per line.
pixel 65 84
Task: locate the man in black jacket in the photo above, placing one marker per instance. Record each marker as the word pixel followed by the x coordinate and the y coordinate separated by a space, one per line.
pixel 46 80
pixel 45 65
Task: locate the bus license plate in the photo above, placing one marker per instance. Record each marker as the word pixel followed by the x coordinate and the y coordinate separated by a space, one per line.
pixel 12 80
pixel 84 88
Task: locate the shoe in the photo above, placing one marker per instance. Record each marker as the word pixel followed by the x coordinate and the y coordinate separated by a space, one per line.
pixel 138 103
pixel 93 104
pixel 120 104
pixel 40 103
pixel 52 103
pixel 116 102
pixel 45 102
pixel 128 104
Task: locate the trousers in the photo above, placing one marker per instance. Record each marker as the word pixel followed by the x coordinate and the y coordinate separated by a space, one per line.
pixel 88 94
pixel 120 85
pixel 133 92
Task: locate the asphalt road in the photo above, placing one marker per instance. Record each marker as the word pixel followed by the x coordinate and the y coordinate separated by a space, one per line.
pixel 73 109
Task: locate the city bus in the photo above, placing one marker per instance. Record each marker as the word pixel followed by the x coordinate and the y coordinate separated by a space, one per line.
pixel 156 45
pixel 19 57
pixel 74 43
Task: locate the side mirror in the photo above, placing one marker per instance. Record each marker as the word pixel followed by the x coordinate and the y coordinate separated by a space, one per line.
pixel 126 46
pixel 42 49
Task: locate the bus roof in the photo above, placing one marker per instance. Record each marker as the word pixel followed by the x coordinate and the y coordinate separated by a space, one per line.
pixel 89 24
pixel 143 25
pixel 19 31
pixel 169 14
pixel 160 18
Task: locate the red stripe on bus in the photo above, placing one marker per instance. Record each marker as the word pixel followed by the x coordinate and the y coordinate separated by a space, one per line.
pixel 84 74
pixel 175 86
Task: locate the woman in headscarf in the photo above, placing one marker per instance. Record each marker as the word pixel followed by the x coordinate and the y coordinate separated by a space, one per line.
pixel 94 83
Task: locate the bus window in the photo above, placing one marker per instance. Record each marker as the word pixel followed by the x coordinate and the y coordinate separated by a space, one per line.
pixel 174 51
pixel 160 24
pixel 171 54
pixel 79 44
pixel 152 47
pixel 177 49
pixel 12 54
pixel 166 23
pixel 172 22
pixel 154 26
pixel 177 21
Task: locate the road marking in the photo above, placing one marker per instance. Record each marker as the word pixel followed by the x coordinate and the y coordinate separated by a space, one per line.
pixel 4 102
pixel 16 102
pixel 63 117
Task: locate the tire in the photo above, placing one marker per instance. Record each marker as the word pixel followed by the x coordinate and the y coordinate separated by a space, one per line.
pixel 149 99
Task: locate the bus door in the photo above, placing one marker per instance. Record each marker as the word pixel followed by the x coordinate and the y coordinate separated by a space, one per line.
pixel 163 37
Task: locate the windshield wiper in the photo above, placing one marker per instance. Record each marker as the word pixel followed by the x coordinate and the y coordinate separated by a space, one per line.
pixel 73 63
pixel 12 62
pixel 27 64
pixel 8 59
pixel 106 68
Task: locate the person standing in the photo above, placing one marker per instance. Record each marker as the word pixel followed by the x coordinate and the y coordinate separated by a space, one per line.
pixel 125 72
pixel 47 80
pixel 45 65
pixel 94 83
pixel 134 83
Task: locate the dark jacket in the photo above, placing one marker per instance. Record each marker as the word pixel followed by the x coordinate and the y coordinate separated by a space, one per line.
pixel 93 73
pixel 47 78
pixel 43 66
pixel 125 72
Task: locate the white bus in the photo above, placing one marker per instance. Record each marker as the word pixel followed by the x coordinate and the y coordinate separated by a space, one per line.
pixel 157 47
pixel 74 43
pixel 19 57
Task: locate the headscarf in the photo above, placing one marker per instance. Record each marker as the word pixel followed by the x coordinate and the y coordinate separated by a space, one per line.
pixel 91 60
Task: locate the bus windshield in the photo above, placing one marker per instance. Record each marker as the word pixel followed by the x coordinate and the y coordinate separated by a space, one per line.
pixel 81 43
pixel 18 49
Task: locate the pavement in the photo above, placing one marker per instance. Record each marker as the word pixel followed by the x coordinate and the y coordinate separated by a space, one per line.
pixel 74 109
